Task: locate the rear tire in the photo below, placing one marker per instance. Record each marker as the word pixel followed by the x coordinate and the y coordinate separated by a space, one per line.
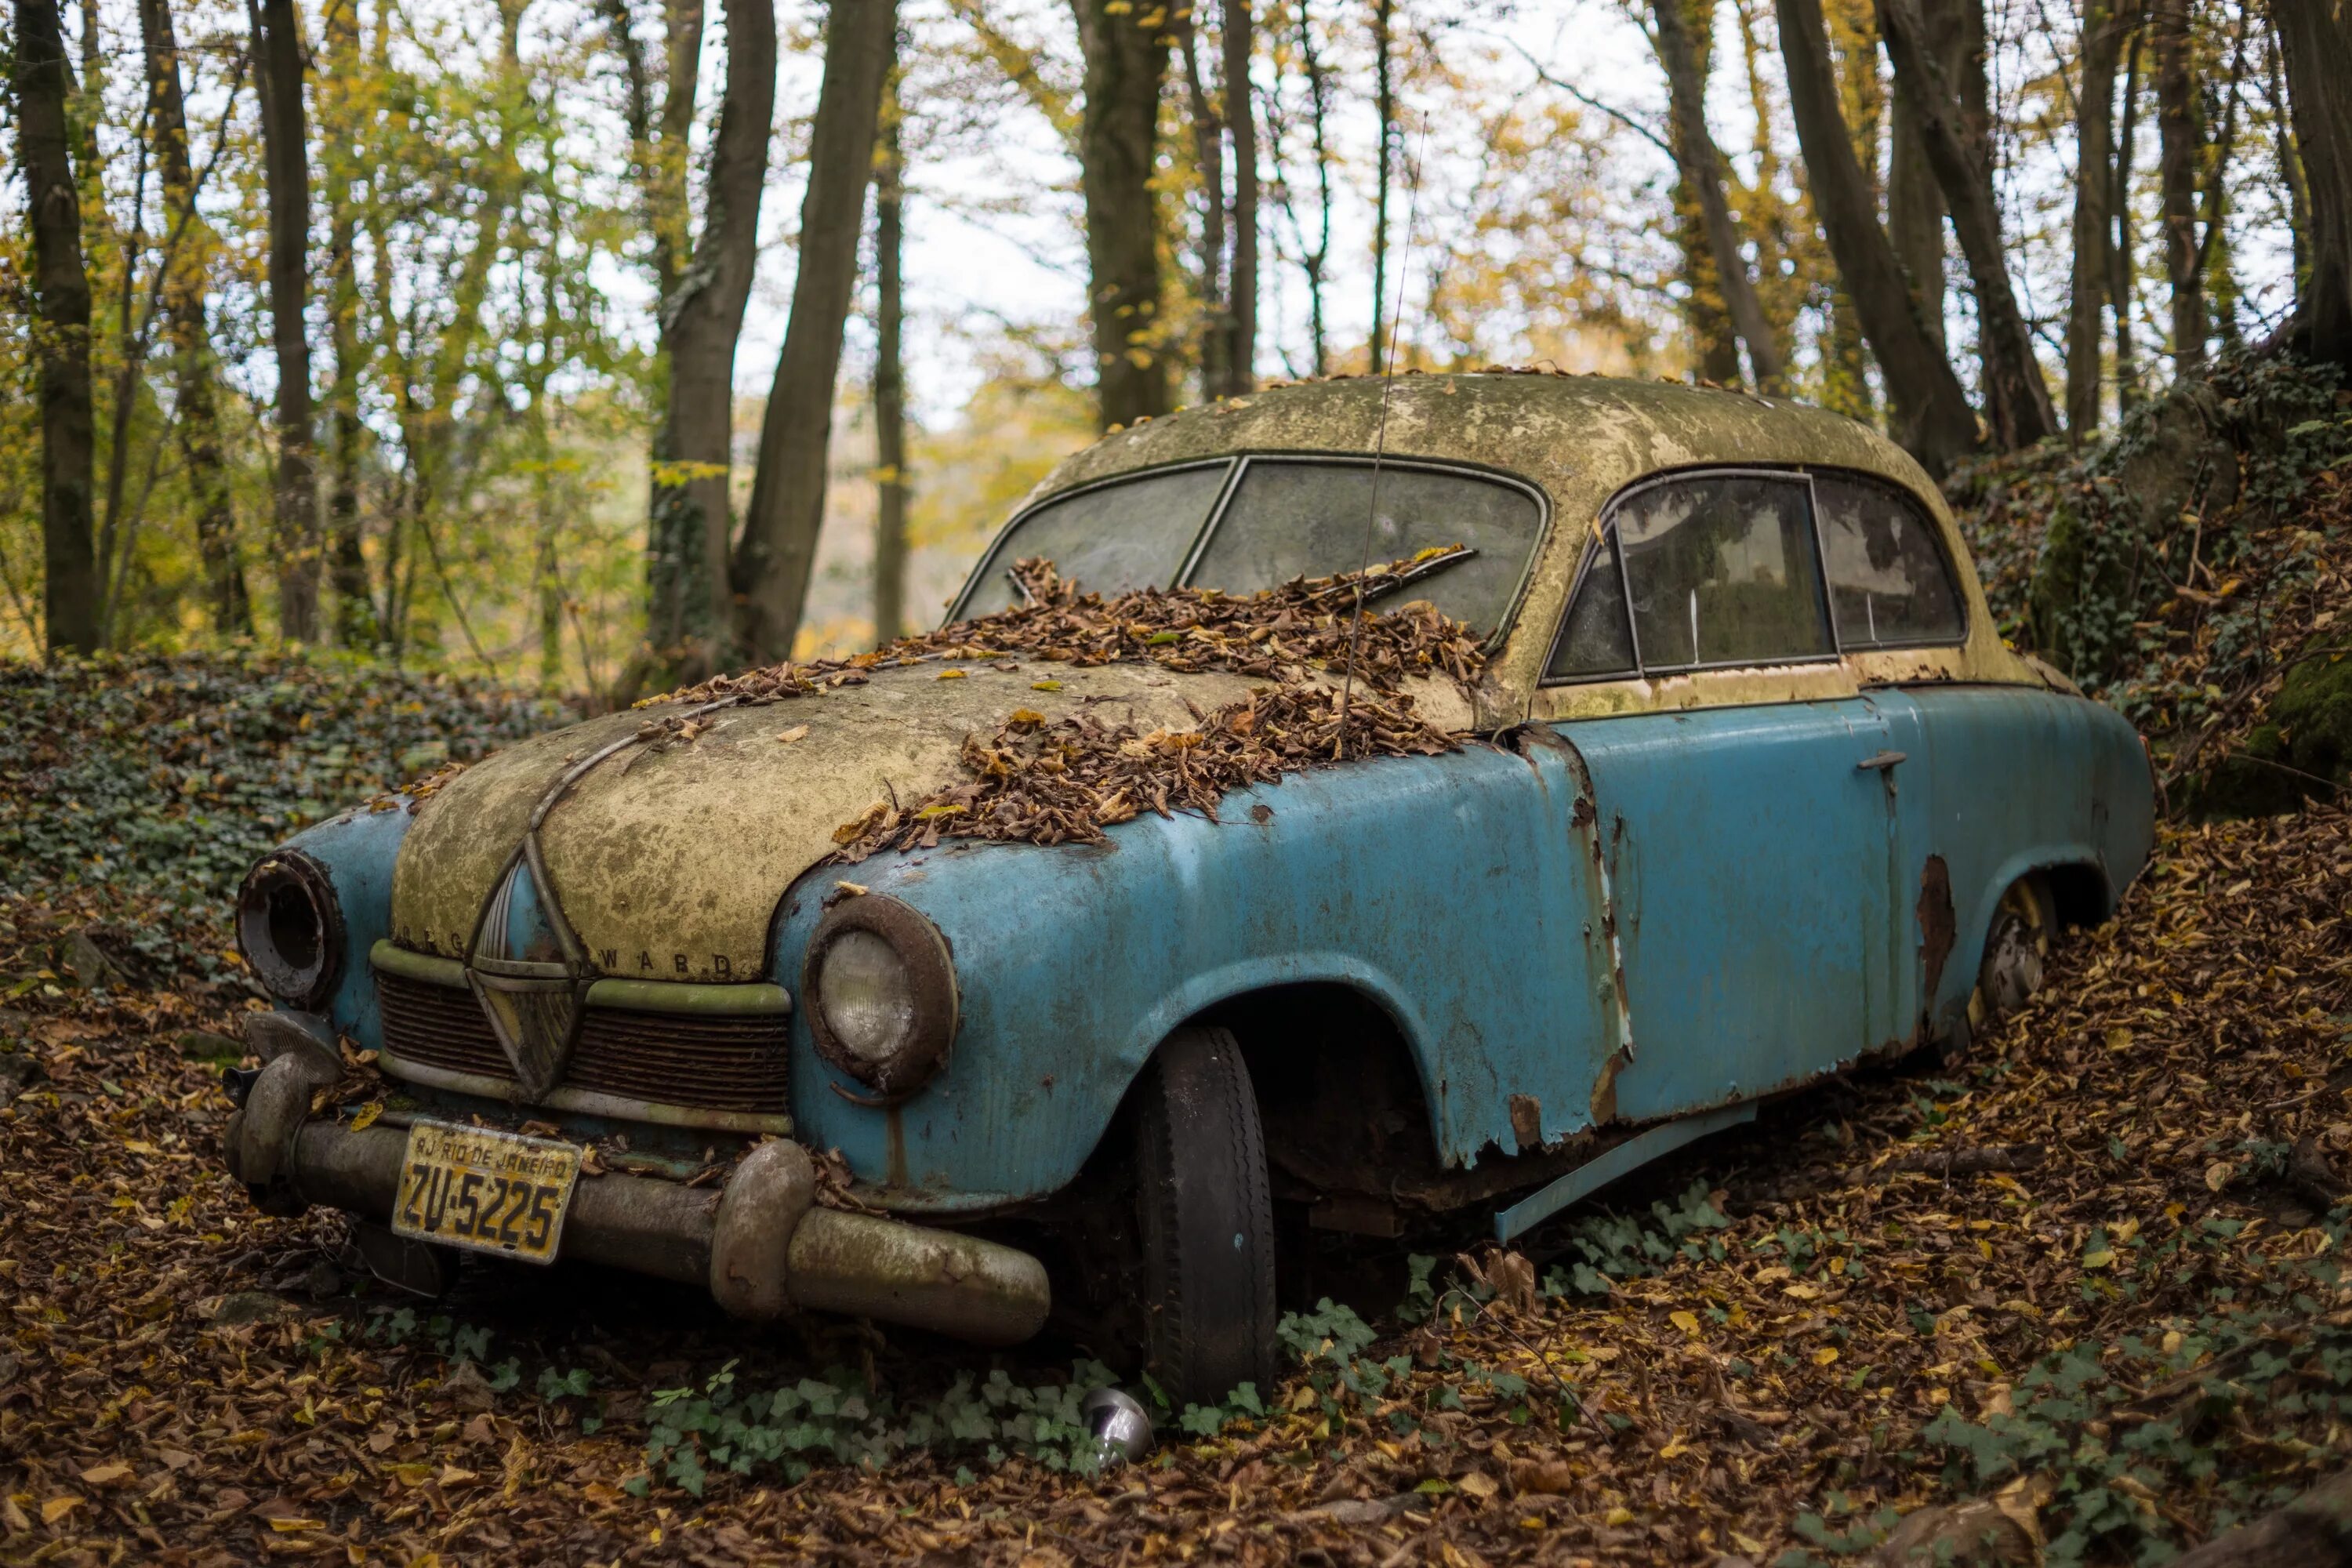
pixel 2016 952
pixel 1204 1215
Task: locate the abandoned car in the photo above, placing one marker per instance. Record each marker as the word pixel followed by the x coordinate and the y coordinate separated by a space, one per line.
pixel 1746 788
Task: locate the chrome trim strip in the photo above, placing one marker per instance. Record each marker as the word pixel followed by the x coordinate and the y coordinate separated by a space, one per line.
pixel 699 999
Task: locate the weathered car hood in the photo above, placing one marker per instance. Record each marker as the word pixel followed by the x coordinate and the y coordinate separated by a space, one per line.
pixel 668 861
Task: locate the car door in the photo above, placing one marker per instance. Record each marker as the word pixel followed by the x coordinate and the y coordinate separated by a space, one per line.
pixel 1750 843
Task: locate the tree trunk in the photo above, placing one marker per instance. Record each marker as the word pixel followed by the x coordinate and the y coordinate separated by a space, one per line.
pixel 889 379
pixel 770 572
pixel 61 299
pixel 2215 272
pixel 1209 156
pixel 1118 138
pixel 2122 263
pixel 196 412
pixel 1715 345
pixel 1915 212
pixel 285 134
pixel 2317 37
pixel 1702 173
pixel 1383 166
pixel 1238 36
pixel 1315 261
pixel 2180 141
pixel 356 623
pixel 1853 49
pixel 2015 396
pixel 687 537
pixel 2094 155
pixel 1931 413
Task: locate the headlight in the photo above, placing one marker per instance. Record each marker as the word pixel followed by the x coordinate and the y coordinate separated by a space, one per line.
pixel 881 991
pixel 289 929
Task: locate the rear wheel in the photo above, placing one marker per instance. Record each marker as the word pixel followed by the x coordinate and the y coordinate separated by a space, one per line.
pixel 2016 952
pixel 1204 1216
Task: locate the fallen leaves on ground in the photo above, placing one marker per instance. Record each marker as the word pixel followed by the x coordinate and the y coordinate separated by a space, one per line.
pixel 2097 1250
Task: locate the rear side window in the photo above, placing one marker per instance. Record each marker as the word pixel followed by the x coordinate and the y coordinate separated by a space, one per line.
pixel 1889 584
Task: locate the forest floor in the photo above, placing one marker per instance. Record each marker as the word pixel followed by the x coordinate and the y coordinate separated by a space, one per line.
pixel 2089 1269
pixel 2086 1273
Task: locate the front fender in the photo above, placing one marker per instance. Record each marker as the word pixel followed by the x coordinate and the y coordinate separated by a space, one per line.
pixel 1432 884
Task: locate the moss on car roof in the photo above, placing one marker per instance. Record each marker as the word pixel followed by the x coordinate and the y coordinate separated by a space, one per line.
pixel 1581 438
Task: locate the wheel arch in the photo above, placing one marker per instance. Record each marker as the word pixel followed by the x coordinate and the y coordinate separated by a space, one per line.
pixel 2080 888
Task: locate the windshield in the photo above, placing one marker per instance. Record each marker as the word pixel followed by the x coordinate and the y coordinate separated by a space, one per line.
pixel 1287 517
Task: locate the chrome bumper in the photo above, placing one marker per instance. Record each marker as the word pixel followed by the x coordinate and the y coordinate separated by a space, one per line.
pixel 760 1244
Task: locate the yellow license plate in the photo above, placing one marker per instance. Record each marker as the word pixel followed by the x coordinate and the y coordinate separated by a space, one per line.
pixel 494 1192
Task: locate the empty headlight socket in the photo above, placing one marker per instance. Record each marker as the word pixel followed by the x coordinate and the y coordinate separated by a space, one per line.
pixel 931 978
pixel 289 927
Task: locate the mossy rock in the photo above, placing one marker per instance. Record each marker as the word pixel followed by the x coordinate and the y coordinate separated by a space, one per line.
pixel 2302 746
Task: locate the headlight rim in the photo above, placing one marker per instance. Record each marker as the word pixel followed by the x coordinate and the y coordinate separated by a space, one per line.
pixel 923 948
pixel 306 987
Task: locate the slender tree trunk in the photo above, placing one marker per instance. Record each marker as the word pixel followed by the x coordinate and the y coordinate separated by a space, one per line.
pixel 355 614
pixel 1932 417
pixel 196 409
pixel 2015 395
pixel 770 572
pixel 1702 173
pixel 1209 155
pixel 1853 49
pixel 1315 262
pixel 1238 36
pixel 2122 259
pixel 61 336
pixel 2290 162
pixel 2182 142
pixel 1715 345
pixel 1119 139
pixel 285 132
pixel 1915 212
pixel 1383 169
pixel 2093 172
pixel 889 378
pixel 2317 37
pixel 702 316
pixel 2213 268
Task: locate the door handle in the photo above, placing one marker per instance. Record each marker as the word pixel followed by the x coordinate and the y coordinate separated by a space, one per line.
pixel 1884 761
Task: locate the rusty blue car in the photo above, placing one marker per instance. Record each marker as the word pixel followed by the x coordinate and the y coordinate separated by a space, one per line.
pixel 1747 789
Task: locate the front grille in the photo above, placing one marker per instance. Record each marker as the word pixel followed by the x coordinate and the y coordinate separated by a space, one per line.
pixel 733 1064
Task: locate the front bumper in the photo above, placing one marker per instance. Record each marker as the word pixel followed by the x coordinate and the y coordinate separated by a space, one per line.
pixel 760 1242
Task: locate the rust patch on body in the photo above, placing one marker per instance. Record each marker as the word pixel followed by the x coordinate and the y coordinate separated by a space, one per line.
pixel 1937 927
pixel 1604 1089
pixel 1526 1121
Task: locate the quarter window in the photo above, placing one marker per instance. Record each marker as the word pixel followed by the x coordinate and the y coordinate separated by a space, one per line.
pixel 1889 584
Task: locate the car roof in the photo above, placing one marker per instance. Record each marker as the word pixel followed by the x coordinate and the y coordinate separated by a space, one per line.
pixel 1579 438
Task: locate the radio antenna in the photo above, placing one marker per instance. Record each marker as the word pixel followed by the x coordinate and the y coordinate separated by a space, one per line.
pixel 1381 440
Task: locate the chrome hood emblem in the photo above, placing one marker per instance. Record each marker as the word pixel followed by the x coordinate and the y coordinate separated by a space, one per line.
pixel 528 975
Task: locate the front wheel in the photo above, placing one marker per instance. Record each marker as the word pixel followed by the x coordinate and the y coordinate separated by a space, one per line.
pixel 1205 1217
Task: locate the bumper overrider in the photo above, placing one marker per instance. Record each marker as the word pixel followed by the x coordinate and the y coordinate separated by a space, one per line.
pixel 760 1242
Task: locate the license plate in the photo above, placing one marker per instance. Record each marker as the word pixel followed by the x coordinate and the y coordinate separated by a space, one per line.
pixel 493 1192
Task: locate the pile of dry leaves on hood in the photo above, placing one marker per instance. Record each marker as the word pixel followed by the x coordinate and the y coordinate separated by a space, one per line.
pixel 2089 1270
pixel 1334 691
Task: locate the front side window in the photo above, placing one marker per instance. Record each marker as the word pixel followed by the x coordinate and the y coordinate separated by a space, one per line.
pixel 1133 533
pixel 1889 586
pixel 1708 570
pixel 1285 517
pixel 1720 571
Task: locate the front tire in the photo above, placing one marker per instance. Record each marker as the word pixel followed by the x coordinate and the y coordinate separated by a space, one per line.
pixel 1204 1215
